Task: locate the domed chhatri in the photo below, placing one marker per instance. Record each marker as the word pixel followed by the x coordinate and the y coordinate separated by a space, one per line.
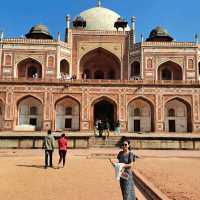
pixel 99 18
pixel 39 31
pixel 159 34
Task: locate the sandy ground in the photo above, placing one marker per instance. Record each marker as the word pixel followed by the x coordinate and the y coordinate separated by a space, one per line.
pixel 86 179
pixel 22 176
pixel 178 178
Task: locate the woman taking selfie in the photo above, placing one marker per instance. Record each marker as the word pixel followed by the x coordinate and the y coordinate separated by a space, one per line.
pixel 126 180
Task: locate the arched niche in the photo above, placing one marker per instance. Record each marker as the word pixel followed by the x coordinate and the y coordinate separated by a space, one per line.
pixel 29 68
pixel 101 60
pixel 178 116
pixel 67 114
pixel 140 115
pixel 170 71
pixel 30 112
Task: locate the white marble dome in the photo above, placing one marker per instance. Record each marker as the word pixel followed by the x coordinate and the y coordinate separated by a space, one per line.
pixel 99 18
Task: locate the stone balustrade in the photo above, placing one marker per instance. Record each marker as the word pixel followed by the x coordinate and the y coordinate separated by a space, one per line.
pixel 101 81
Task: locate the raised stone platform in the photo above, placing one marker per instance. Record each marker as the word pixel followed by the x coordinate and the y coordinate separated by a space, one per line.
pixel 28 140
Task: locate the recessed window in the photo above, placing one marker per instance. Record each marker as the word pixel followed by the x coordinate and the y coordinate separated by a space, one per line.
pixel 33 110
pixel 137 112
pixel 171 113
pixel 68 111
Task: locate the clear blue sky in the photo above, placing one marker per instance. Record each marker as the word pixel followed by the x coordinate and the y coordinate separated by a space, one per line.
pixel 180 17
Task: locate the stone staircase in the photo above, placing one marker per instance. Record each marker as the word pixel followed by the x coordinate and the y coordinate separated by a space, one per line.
pixel 102 142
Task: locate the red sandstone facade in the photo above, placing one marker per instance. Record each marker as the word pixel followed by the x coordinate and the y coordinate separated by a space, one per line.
pixel 147 86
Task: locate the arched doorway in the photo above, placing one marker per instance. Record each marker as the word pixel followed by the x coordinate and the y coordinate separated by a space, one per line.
pixel 105 109
pixel 30 112
pixel 170 71
pixel 102 64
pixel 1 114
pixel 140 115
pixel 29 68
pixel 178 116
pixel 64 67
pixel 68 114
pixel 135 69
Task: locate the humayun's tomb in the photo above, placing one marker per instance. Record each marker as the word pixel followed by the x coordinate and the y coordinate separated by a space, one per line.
pixel 99 71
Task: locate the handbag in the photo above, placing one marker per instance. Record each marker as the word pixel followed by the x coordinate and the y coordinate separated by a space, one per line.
pixel 124 176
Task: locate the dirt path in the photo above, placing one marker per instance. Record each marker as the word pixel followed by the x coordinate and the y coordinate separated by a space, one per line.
pixel 178 178
pixel 86 179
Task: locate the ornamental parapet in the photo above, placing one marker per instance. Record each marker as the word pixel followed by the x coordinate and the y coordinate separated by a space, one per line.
pixel 169 44
pixel 101 82
pixel 138 46
pixel 98 32
pixel 32 41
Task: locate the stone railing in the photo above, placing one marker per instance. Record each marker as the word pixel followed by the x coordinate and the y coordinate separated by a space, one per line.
pixel 169 44
pixel 33 41
pixel 98 32
pixel 99 81
pixel 139 45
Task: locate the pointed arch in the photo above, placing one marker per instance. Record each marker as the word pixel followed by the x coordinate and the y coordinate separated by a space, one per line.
pixel 29 95
pixel 100 59
pixel 182 121
pixel 141 115
pixel 67 113
pixel 170 70
pixel 135 69
pixel 105 109
pixel 26 117
pixel 64 67
pixel 29 68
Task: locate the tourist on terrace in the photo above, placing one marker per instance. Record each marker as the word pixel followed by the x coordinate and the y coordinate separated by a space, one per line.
pixel 107 128
pixel 100 127
pixel 126 158
pixel 49 145
pixel 117 127
pixel 62 145
pixel 96 130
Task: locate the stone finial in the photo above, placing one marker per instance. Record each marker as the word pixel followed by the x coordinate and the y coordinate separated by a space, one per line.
pixel 142 38
pixel 98 3
pixel 196 38
pixel 68 19
pixel 1 35
pixel 58 36
pixel 133 20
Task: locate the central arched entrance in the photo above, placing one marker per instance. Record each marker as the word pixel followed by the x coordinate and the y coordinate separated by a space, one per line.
pixel 100 64
pixel 105 109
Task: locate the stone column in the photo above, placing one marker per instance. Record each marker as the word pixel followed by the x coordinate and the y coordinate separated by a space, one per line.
pixel 47 111
pixel 58 60
pixel 159 113
pixel 9 107
pixel 196 113
pixel 122 111
pixel 85 123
